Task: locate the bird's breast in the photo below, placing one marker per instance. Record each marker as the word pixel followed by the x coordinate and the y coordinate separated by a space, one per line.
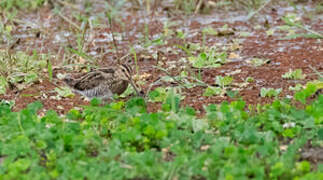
pixel 119 87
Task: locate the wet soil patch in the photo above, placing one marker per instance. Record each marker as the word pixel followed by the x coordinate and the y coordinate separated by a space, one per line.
pixel 46 32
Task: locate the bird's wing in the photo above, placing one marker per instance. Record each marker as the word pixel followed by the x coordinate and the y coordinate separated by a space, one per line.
pixel 92 80
pixel 106 70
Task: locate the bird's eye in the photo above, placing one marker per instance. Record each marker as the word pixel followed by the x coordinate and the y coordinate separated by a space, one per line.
pixel 123 70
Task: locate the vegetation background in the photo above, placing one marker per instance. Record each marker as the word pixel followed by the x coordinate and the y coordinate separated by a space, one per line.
pixel 233 89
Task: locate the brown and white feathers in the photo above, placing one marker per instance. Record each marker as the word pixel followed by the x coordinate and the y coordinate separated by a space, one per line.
pixel 102 82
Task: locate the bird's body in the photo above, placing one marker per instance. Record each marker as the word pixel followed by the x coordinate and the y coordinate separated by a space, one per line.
pixel 101 83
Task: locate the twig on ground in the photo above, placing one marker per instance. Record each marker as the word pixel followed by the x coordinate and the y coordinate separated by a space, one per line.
pixel 68 20
pixel 171 76
pixel 198 6
pixel 308 30
pixel 258 10
pixel 201 83
pixel 150 86
pixel 320 74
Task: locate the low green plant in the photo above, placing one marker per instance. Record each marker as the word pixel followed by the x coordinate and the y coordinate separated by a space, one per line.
pixel 258 61
pixel 9 5
pixel 297 87
pixel 213 91
pixel 293 21
pixel 10 8
pixel 270 92
pixel 158 95
pixel 5 32
pixel 122 140
pixel 296 74
pixel 64 92
pixel 187 6
pixel 210 31
pixel 249 79
pixel 209 59
pixel 21 69
pixel 223 81
pixel 308 91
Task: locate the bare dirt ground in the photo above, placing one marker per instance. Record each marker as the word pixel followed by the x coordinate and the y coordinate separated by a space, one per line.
pixel 47 32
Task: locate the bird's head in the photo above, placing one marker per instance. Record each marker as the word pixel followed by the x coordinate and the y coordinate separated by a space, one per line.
pixel 125 73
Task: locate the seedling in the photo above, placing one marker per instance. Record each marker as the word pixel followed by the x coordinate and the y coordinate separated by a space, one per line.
pixel 296 74
pixel 245 34
pixel 223 81
pixel 209 59
pixel 180 34
pixel 270 32
pixel 250 79
pixel 158 95
pixel 64 92
pixel 166 28
pixel 210 31
pixel 270 92
pixel 21 69
pixel 308 91
pixel 172 101
pixel 258 61
pixel 213 91
pixel 297 87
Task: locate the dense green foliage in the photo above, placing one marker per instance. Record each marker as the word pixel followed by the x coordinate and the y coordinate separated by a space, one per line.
pixel 122 141
pixel 21 4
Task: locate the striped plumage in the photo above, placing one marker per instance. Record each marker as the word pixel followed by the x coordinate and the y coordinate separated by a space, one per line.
pixel 103 82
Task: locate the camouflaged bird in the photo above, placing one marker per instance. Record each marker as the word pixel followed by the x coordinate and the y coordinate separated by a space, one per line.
pixel 102 82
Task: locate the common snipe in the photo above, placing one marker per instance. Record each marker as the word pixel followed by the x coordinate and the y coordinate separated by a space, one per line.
pixel 102 82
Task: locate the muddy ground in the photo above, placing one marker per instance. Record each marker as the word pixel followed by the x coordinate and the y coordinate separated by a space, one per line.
pixel 158 30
